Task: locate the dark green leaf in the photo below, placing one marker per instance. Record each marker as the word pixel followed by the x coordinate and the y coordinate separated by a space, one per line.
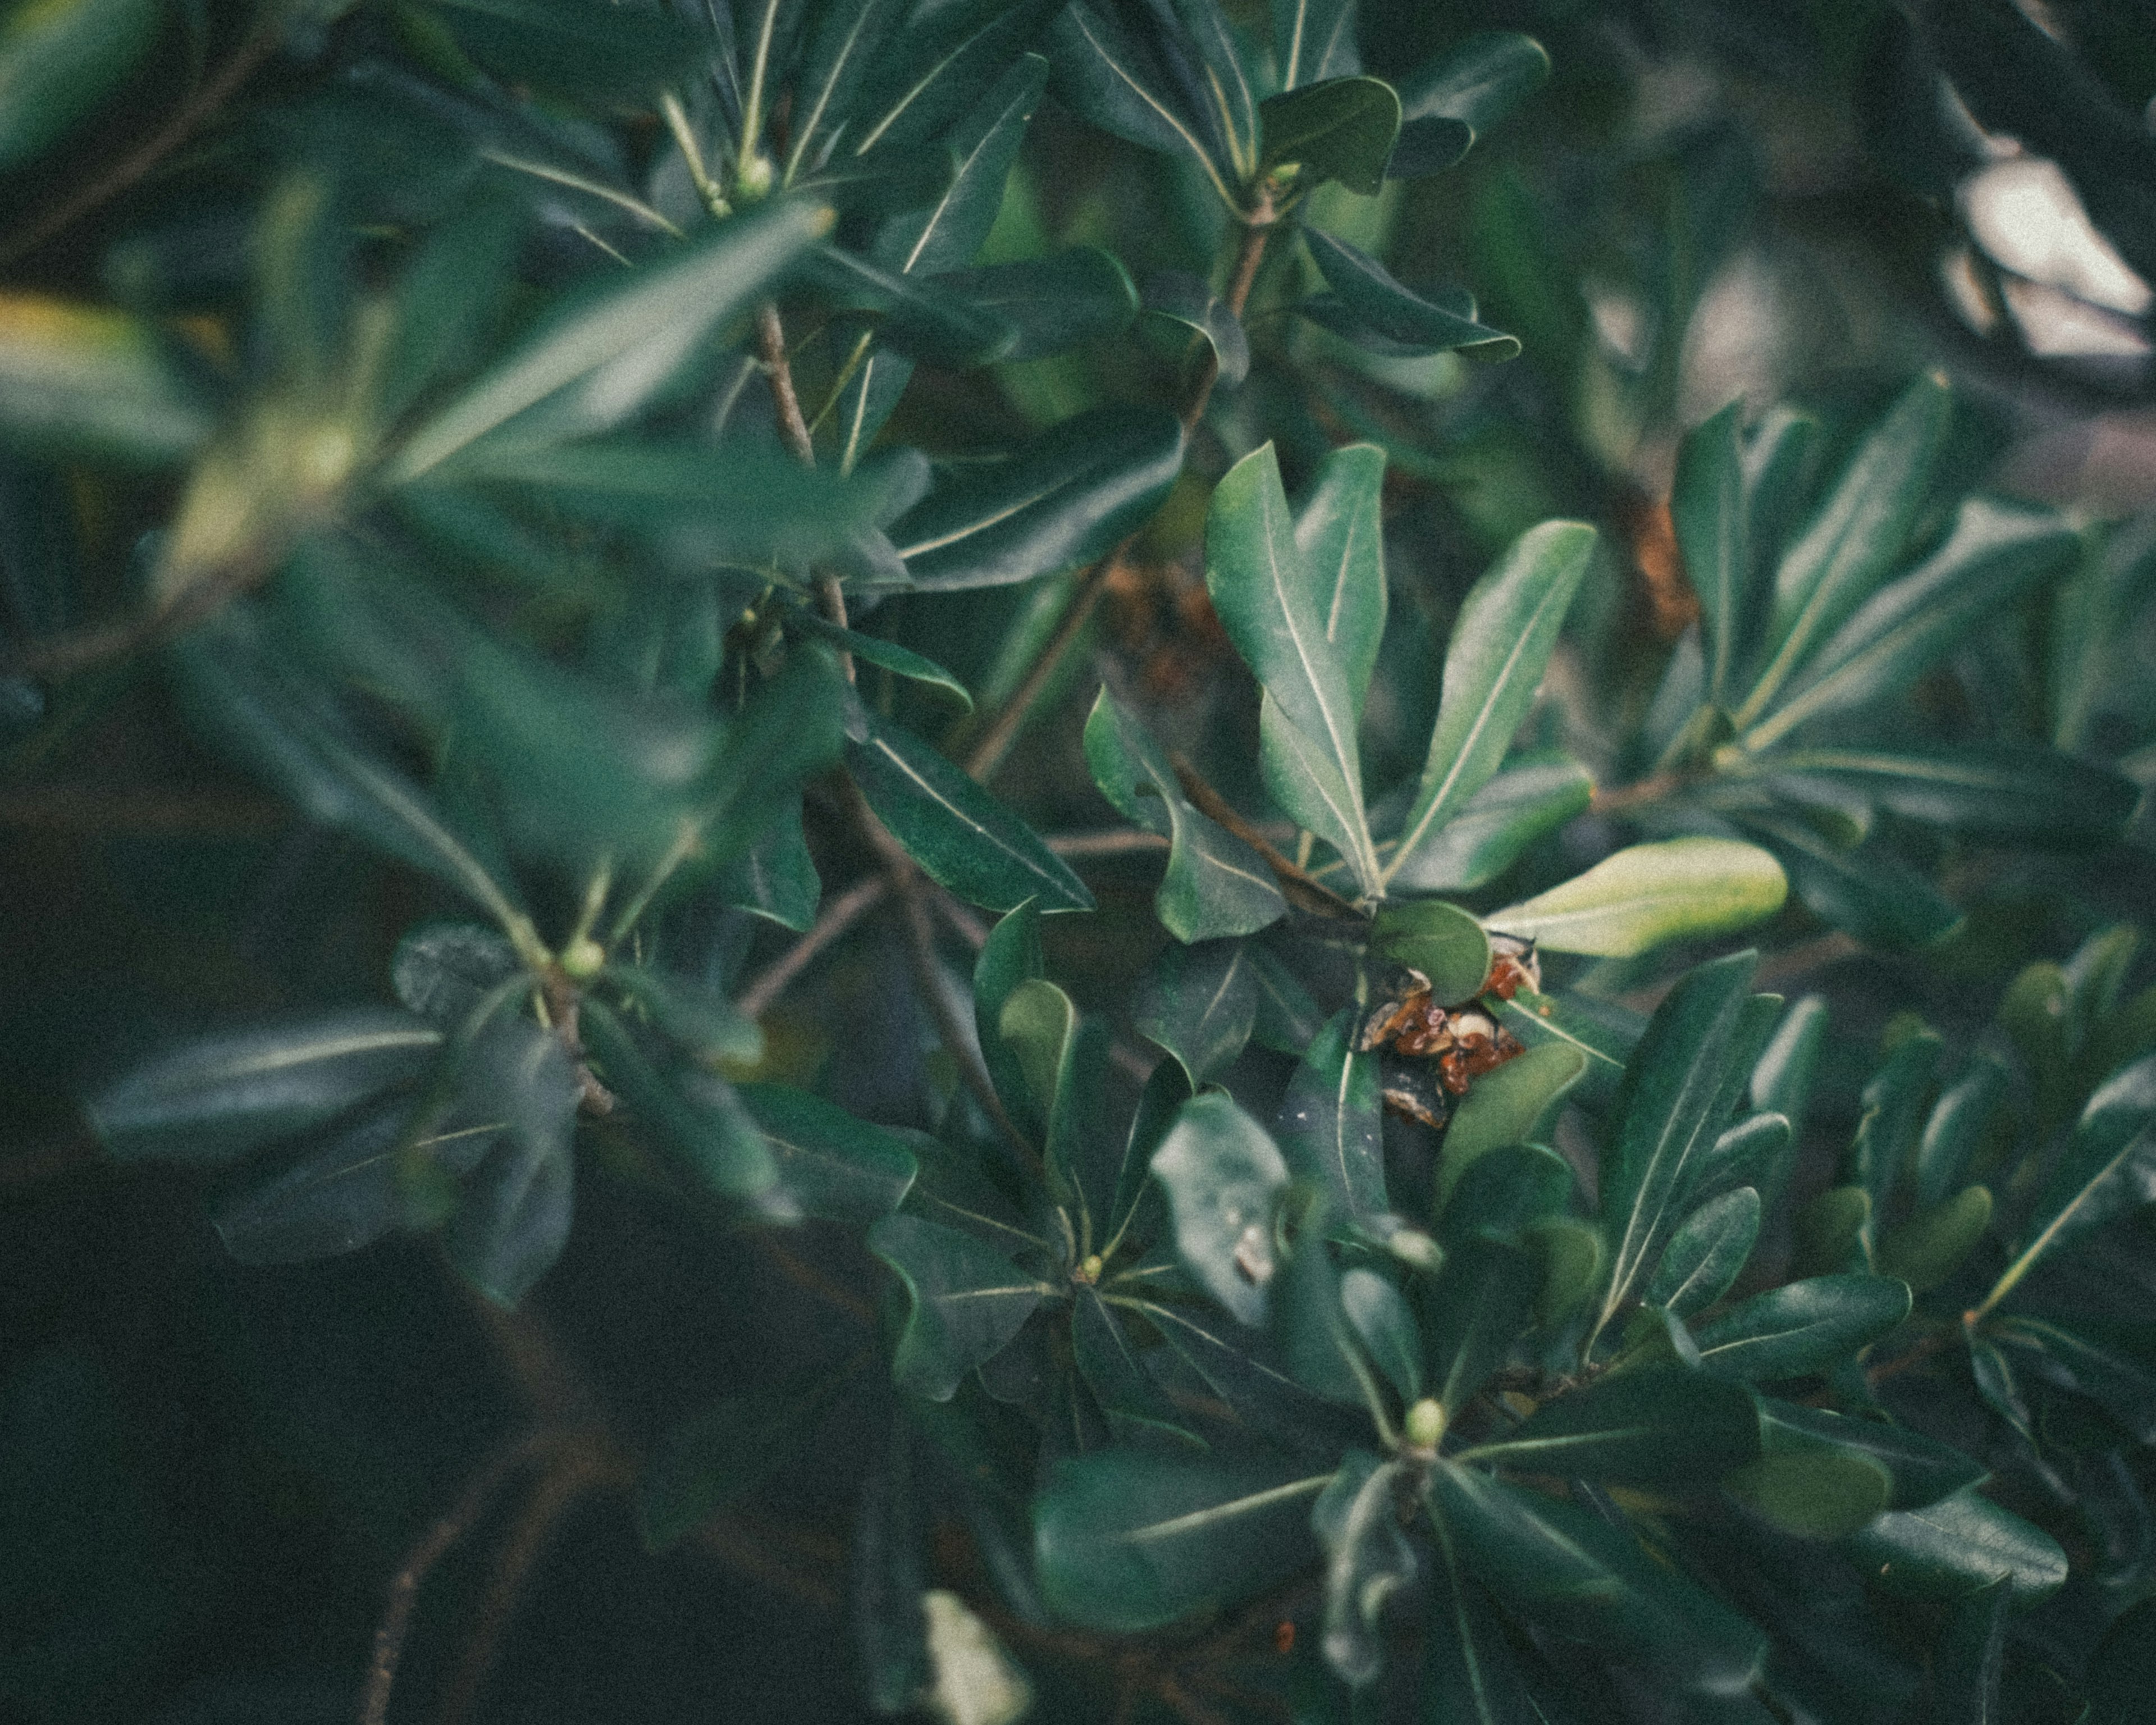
pixel 2121 1672
pixel 1340 531
pixel 1648 894
pixel 1428 146
pixel 901 661
pixel 1224 1177
pixel 1603 1033
pixel 1993 790
pixel 1010 957
pixel 513 1213
pixel 842 55
pixel 216 1099
pixel 1832 1232
pixel 1477 81
pixel 1782 1081
pixel 708 1130
pixel 1216 886
pixel 1198 1003
pixel 1925 1251
pixel 1381 1322
pixel 1055 303
pixel 1564 1568
pixel 2109 1167
pixel 914 314
pixel 1112 82
pixel 1957 1545
pixel 720 1455
pixel 1922 1470
pixel 2110 1363
pixel 934 70
pixel 1342 129
pixel 1288 1018
pixel 1127 1541
pixel 1481 1302
pixel 74 378
pixel 830 1164
pixel 709 1028
pixel 1365 297
pixel 616 54
pixel 1814 1494
pixel 1659 1425
pixel 1505 1106
pixel 1070 495
pixel 635 329
pixel 1804 1327
pixel 776 877
pixel 1065 1063
pixel 1666 1120
pixel 1708 1254
pixel 1105 1355
pixel 1869 892
pixel 1956 1129
pixel 56 62
pixel 1487 833
pixel 1894 1105
pixel 1331 1128
pixel 1970 1656
pixel 1500 645
pixel 1313 39
pixel 1469 1675
pixel 1183 299
pixel 1367 1559
pixel 1708 509
pixel 961 837
pixel 1315 1337
pixel 968 1301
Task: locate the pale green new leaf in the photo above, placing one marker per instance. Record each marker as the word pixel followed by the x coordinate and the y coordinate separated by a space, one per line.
pixel 1630 903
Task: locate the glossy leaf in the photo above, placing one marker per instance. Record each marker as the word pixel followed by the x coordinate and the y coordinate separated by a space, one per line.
pixel 1055 303
pixel 1920 1469
pixel 616 344
pixel 1313 40
pixel 1127 1541
pixel 2107 1360
pixel 1708 512
pixel 1439 940
pixel 1304 781
pixel 1488 832
pixel 1342 129
pixel 1500 645
pixel 915 315
pixel 1010 957
pixel 1367 1559
pixel 1183 299
pixel 216 1099
pixel 831 1164
pixel 1366 297
pixel 1331 1128
pixel 1666 1120
pixel 1708 1254
pixel 963 838
pixel 1970 1657
pixel 1506 1192
pixel 1893 1103
pixel 1656 1425
pixel 1814 1494
pixel 1481 1303
pixel 887 655
pixel 1268 604
pixel 1803 1328
pixel 74 378
pixel 1504 1106
pixel 1470 1674
pixel 1647 894
pixel 1224 1177
pixel 1995 790
pixel 513 1210
pixel 937 66
pixel 1604 1035
pixel 1070 495
pixel 1477 81
pixel 776 877
pixel 1216 884
pixel 1340 530
pixel 1104 75
pixel 1303 1305
pixel 1956 1546
pixel 1105 1354
pixel 968 1301
pixel 1782 1080
pixel 708 1130
pixel 1060 1056
pixel 1198 1003
pixel 1385 1327
pixel 1955 1128
pixel 2109 1167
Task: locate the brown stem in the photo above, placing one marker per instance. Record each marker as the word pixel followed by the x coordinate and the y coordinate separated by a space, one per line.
pixel 960 921
pixel 1111 842
pixel 1650 789
pixel 433 1546
pixel 1257 228
pixel 1302 890
pixel 771 349
pixel 249 55
pixel 838 917
pixel 1914 1356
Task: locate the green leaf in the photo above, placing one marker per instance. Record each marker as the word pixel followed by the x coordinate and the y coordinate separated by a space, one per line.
pixel 1782 1081
pixel 1367 1559
pixel 1646 895
pixel 719 1454
pixel 1804 1327
pixel 2121 1672
pixel 1832 1232
pixel 1708 1254
pixel 776 877
pixel 1055 303
pixel 899 661
pixel 1925 1251
pixel 1480 1304
pixel 1970 1657
pixel 1342 129
pixel 1340 531
pixel 1301 780
pixel 1952 1548
pixel 1604 1035
pixel 1197 1002
pixel 1573 1256
pixel 1506 1191
pixel 1366 299
pixel 968 1301
pixel 1893 1112
pixel 915 315
pixel 2109 1362
pixel 1814 1494
pixel 216 1099
pixel 513 1210
pixel 1659 1425
pixel 1439 940
pixel 1477 81
pixel 842 55
pixel 1331 1128
pixel 1111 82
pixel 1108 1360
pixel 1224 1177
pixel 963 838
pixel 707 1129
pixel 617 343
pixel 1313 39
pixel 1504 1105
pixel 1069 497
pixel 2109 1167
pixel 1010 957
pixel 1956 1129
pixel 1869 892
pixel 708 1027
pixel 1565 1569
pixel 1216 886
pixel 76 379
pixel 1501 643
pixel 1303 1308
pixel 1708 509
pixel 1469 1675
pixel 1490 831
pixel 1992 790
pixel 1381 1322
pixel 1268 604
pixel 1183 299
pixel 591 55
pixel 1667 1119
pixel 443 970
pixel 1854 537
pixel 934 69
pixel 57 61
pixel 1288 1019
pixel 1921 1470
pixel 1063 1060
pixel 1995 552
pixel 1127 1541
pixel 831 1165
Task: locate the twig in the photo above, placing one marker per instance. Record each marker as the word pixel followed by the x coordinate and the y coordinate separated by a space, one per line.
pixel 838 917
pixel 963 923
pixel 433 1546
pixel 245 59
pixel 771 349
pixel 1812 955
pixel 1915 1355
pixel 1114 842
pixel 1650 789
pixel 1302 889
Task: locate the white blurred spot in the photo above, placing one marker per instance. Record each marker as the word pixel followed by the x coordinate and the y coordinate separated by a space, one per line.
pixel 2058 325
pixel 1964 285
pixel 1621 322
pixel 976 1682
pixel 1738 341
pixel 2026 214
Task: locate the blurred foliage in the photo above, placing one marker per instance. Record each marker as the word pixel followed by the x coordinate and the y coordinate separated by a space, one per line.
pixel 882 856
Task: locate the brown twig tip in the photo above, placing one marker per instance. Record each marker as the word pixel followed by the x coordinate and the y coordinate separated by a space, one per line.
pixel 1301 888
